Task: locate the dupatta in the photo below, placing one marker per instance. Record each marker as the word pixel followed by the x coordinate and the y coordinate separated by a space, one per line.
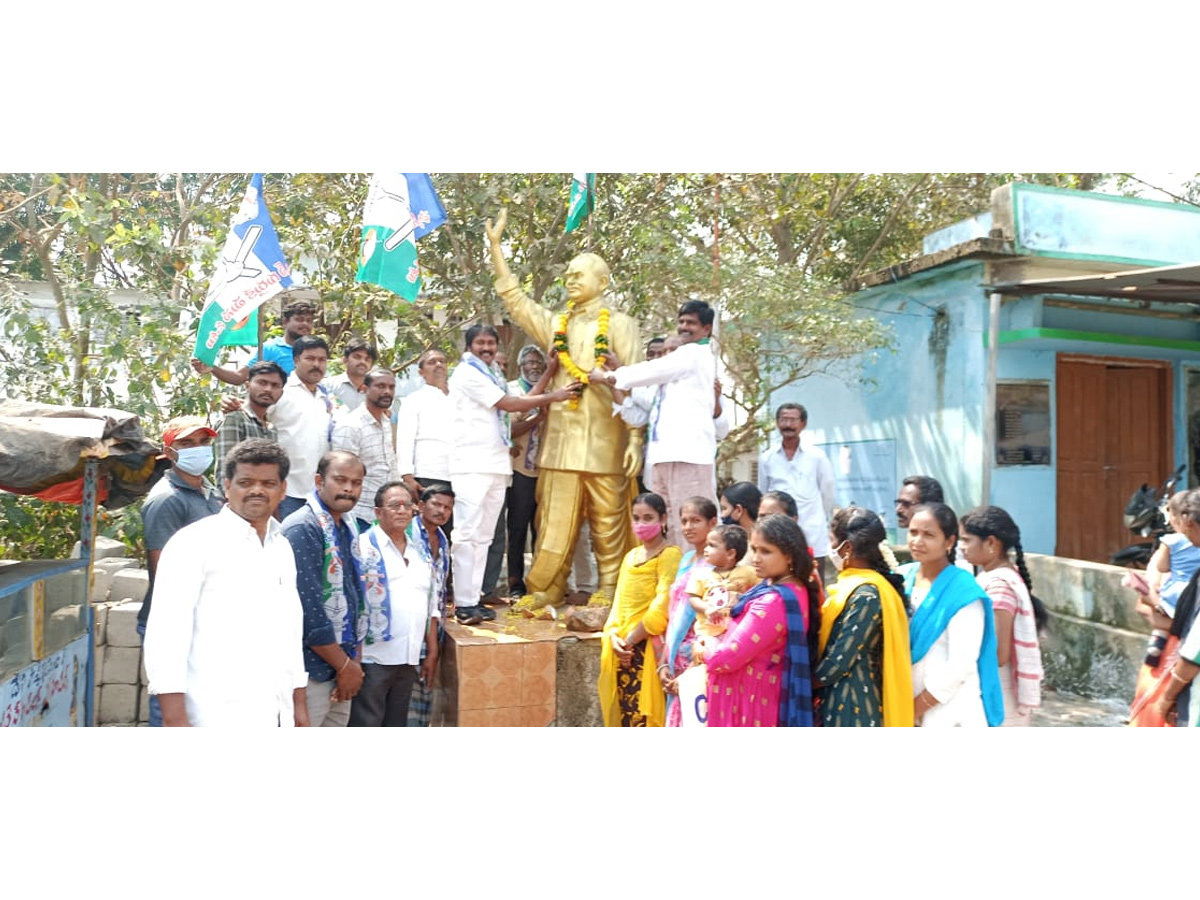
pixel 896 696
pixel 949 593
pixel 795 698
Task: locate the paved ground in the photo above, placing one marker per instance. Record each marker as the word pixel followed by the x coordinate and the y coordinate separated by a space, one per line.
pixel 1061 709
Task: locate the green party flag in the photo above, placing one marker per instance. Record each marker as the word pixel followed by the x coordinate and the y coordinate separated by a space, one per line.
pixel 243 334
pixel 583 198
pixel 251 271
pixel 401 208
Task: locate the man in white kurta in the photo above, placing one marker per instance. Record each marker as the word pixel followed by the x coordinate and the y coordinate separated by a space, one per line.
pixel 480 464
pixel 402 612
pixel 225 636
pixel 681 444
pixel 303 420
pixel 425 427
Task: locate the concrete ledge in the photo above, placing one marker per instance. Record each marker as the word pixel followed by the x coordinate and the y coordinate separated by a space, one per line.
pixel 577 703
pixel 1094 642
pixel 106 548
pixel 1085 590
pixel 103 572
pixel 130 584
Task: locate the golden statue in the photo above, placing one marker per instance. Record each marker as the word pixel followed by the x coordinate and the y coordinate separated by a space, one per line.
pixel 589 456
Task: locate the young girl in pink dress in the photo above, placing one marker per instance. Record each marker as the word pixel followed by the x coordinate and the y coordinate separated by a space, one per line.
pixel 987 534
pixel 759 671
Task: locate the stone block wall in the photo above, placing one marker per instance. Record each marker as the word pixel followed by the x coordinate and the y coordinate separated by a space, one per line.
pixel 118 589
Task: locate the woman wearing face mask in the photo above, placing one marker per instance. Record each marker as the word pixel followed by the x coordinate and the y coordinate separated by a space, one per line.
pixel 739 506
pixel 631 693
pixel 864 667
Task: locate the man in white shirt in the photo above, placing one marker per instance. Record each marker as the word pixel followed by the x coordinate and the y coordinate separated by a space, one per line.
pixel 303 419
pixel 425 427
pixel 402 613
pixel 681 445
pixel 366 432
pixel 805 474
pixel 225 583
pixel 480 465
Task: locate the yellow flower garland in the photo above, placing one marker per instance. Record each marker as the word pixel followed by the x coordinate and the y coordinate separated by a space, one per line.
pixel 562 350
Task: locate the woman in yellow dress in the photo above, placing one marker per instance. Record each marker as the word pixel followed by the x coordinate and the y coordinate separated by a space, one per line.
pixel 631 693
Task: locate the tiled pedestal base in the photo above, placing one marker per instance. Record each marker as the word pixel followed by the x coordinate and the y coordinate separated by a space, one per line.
pixel 506 673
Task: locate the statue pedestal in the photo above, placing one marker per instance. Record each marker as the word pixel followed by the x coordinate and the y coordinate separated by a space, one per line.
pixel 517 672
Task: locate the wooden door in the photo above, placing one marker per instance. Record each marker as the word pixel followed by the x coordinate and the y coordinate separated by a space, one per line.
pixel 1114 433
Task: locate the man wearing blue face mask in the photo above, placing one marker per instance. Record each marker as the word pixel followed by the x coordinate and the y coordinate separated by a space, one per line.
pixel 181 497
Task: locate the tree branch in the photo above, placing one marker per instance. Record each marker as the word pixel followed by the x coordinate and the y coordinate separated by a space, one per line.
pixel 888 223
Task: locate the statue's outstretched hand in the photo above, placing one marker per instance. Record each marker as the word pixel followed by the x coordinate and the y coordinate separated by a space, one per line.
pixel 495 232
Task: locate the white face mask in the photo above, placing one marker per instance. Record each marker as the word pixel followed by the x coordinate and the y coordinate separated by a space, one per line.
pixel 839 561
pixel 194 460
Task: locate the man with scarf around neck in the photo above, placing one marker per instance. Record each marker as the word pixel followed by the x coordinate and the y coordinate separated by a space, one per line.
pixel 682 434
pixel 480 466
pixel 322 534
pixel 399 590
pixel 526 447
pixel 429 537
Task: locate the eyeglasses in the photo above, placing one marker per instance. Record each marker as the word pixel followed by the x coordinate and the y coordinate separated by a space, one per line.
pixel 397 505
pixel 905 503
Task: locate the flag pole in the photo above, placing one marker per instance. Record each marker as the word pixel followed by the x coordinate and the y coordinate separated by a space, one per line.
pixel 259 312
pixel 592 209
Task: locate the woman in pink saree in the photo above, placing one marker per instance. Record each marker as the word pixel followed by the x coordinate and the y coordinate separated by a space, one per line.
pixel 759 671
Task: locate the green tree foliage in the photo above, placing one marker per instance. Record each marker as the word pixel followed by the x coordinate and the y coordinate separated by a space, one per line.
pixel 774 252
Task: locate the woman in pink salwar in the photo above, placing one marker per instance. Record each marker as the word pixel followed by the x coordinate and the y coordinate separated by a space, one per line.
pixel 759 671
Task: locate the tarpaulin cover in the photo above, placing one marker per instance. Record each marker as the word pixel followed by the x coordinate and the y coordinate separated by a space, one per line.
pixel 43 448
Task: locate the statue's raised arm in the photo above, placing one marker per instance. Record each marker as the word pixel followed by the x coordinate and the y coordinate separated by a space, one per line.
pixel 494 233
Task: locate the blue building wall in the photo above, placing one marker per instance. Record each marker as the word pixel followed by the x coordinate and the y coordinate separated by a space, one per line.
pixel 927 394
pixel 1029 493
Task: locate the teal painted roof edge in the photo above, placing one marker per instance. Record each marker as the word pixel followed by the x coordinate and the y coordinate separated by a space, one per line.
pixel 1116 198
pixel 1095 337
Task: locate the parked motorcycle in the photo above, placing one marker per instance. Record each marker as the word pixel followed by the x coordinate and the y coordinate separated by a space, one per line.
pixel 1146 515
